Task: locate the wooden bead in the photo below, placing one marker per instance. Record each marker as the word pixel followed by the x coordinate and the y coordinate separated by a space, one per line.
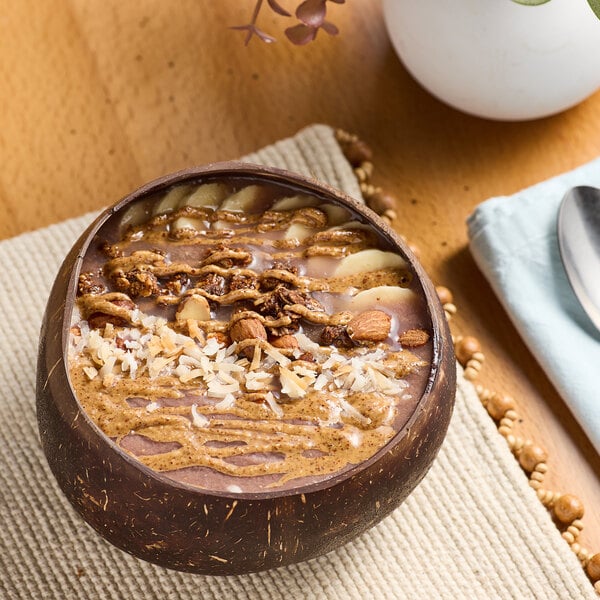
pixel 519 443
pixel 361 174
pixel 479 357
pixel 536 485
pixel 568 537
pixel 583 555
pixel 381 201
pixel 367 189
pixel 510 439
pixel 575 547
pixel 532 455
pixel 357 152
pixel 499 404
pixel 471 373
pixel 574 531
pixel 474 364
pixel 450 310
pixel 465 348
pixel 593 567
pixel 597 587
pixel 367 167
pixel 567 508
pixel 535 476
pixel 577 523
pixel 444 294
pixel 546 497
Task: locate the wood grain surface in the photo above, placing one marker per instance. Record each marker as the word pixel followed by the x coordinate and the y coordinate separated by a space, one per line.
pixel 99 96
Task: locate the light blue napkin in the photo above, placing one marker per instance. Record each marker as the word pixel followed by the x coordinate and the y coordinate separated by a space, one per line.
pixel 514 242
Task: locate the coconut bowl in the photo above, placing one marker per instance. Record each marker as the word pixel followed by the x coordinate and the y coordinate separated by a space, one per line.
pixel 183 527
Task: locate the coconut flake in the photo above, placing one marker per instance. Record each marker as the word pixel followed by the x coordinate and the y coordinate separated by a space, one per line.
pixel 227 402
pixel 198 419
pixel 270 400
pixel 291 384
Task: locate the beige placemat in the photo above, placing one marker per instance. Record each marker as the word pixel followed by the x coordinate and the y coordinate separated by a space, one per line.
pixel 473 528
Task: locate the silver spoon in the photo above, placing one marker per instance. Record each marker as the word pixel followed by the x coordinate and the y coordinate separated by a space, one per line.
pixel 579 245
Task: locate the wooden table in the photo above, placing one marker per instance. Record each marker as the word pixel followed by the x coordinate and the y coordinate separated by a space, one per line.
pixel 97 97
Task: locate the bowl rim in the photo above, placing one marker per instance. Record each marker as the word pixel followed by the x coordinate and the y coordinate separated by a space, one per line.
pixel 252 171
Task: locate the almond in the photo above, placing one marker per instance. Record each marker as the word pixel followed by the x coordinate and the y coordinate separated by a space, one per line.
pixel 285 341
pixel 369 326
pixel 413 337
pixel 247 329
pixel 195 307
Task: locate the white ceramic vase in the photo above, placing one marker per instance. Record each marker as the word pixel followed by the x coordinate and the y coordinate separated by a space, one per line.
pixel 498 59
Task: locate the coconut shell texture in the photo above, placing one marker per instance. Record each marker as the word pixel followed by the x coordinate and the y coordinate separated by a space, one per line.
pixel 190 529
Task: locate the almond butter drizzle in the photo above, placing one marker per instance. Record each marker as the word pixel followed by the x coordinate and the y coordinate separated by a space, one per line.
pixel 251 423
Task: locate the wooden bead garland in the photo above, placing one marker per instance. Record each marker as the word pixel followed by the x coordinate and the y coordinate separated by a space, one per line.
pixel 567 509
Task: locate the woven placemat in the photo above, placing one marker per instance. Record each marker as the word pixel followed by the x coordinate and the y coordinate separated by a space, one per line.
pixel 472 529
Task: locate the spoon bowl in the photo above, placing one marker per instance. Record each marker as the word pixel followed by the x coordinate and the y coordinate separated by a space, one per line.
pixel 578 230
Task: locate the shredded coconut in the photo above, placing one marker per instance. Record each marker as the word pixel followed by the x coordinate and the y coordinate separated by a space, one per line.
pixel 218 370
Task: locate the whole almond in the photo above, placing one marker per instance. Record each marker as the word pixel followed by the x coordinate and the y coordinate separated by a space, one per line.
pixel 369 326
pixel 247 329
pixel 413 337
pixel 285 341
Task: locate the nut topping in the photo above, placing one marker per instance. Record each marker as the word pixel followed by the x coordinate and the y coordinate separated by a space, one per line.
pixel 369 326
pixel 413 338
pixel 336 335
pixel 285 341
pixel 195 307
pixel 247 329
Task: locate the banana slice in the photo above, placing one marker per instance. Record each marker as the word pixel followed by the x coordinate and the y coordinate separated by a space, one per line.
pixel 299 232
pixel 247 198
pixel 187 224
pixel 336 215
pixel 294 203
pixel 135 214
pixel 368 260
pixel 172 199
pixel 383 295
pixel 351 225
pixel 208 194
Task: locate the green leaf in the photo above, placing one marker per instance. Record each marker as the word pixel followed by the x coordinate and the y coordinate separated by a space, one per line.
pixel 595 6
pixel 536 2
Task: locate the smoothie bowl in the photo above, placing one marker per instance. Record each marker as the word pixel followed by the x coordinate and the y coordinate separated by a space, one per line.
pixel 239 369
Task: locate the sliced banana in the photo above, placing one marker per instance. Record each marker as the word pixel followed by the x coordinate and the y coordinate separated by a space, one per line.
pixel 368 260
pixel 336 215
pixel 209 194
pixel 383 295
pixel 172 199
pixel 246 199
pixel 297 231
pixel 194 307
pixel 352 225
pixel 135 214
pixel 188 224
pixel 295 202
